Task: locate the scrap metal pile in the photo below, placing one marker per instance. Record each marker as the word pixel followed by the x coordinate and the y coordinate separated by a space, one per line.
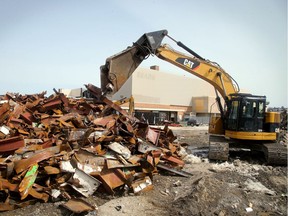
pixel 58 148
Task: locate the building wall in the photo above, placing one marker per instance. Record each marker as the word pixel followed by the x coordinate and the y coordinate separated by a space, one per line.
pixel 125 91
pixel 204 104
pixel 72 92
pixel 157 94
pixel 157 87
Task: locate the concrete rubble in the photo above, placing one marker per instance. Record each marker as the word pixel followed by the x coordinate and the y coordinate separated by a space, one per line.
pixel 58 148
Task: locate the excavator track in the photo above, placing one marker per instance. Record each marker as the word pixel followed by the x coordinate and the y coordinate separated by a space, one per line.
pixel 275 153
pixel 218 148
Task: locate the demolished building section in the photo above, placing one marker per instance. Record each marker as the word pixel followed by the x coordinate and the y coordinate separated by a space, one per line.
pixel 58 148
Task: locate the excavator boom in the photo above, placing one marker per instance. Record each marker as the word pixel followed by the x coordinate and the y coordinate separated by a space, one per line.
pixel 119 67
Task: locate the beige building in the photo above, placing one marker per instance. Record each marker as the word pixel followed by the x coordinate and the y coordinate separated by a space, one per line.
pixel 160 96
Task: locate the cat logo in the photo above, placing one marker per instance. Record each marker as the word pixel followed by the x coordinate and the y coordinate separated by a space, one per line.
pixel 188 63
pixel 191 64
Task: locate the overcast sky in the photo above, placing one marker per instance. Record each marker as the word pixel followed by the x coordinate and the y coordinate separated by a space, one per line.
pixel 62 44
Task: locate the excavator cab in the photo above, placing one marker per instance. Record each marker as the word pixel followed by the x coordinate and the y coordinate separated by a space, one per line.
pixel 246 118
pixel 246 112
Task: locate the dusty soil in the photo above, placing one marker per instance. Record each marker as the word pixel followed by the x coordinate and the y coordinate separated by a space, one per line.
pixel 244 185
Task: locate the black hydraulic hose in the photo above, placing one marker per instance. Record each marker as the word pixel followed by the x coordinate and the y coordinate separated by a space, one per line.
pixel 179 43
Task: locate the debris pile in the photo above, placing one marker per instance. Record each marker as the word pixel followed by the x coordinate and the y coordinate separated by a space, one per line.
pixel 58 148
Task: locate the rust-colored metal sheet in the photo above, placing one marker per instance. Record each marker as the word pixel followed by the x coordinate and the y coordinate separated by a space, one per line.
pixel 103 121
pixel 32 104
pixel 6 207
pixel 152 136
pixel 24 164
pixel 50 170
pixel 120 149
pixel 77 134
pixel 111 179
pixel 37 195
pixel 89 162
pixel 112 164
pixel 5 184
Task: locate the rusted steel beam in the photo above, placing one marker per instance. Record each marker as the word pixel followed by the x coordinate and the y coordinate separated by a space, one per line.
pixel 17 110
pixel 6 207
pixel 51 104
pixel 28 117
pixel 173 160
pixel 103 121
pixel 176 171
pixel 64 99
pixel 97 93
pixel 24 164
pixel 4 112
pixel 5 184
pixel 11 144
pixel 118 108
pixel 31 105
pixel 37 195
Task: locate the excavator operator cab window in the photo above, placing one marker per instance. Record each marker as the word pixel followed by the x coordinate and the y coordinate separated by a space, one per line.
pixel 261 108
pixel 232 121
pixel 251 118
pixel 234 110
pixel 249 109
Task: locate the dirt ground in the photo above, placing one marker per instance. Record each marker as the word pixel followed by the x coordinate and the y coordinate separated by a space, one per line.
pixel 244 185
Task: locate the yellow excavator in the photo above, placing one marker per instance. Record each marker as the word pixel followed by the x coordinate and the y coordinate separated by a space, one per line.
pixel 243 122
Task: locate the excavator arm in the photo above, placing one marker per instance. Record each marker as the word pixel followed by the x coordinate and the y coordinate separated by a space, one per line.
pixel 119 67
